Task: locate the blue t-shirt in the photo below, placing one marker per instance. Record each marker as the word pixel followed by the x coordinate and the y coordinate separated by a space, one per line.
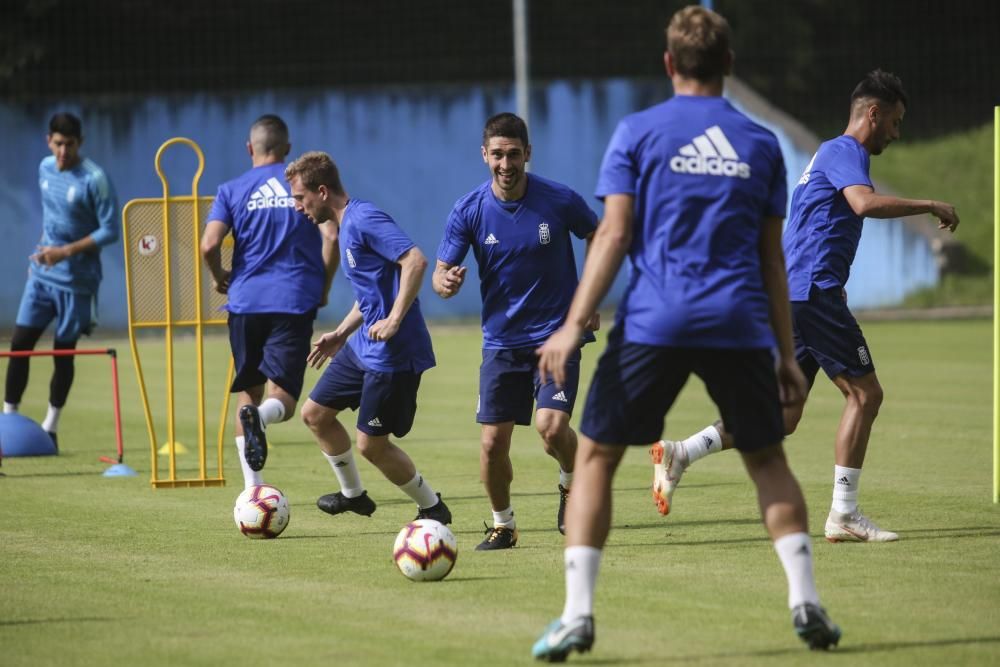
pixel 704 176
pixel 527 269
pixel 76 203
pixel 823 231
pixel 371 243
pixel 278 253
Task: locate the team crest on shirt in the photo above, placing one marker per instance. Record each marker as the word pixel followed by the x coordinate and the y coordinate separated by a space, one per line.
pixel 544 237
pixel 71 194
pixel 350 260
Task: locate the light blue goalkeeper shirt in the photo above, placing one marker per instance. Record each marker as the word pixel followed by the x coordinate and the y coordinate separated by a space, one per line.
pixel 76 203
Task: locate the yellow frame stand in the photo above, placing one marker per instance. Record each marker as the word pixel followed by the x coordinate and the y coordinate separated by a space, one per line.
pixel 996 304
pixel 167 290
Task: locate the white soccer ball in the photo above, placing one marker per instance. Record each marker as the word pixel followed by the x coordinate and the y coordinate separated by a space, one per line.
pixel 425 550
pixel 261 512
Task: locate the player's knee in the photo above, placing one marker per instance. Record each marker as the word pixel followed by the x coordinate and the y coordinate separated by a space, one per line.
pixel 494 445
pixel 312 416
pixel 875 397
pixel 25 338
pixel 791 417
pixel 372 446
pixel 868 398
pixel 553 427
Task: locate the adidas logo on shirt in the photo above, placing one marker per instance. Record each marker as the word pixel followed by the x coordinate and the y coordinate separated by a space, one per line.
pixel 375 422
pixel 711 154
pixel 560 396
pixel 491 240
pixel 270 195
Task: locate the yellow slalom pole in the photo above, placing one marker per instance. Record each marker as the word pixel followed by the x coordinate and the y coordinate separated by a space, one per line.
pixel 996 304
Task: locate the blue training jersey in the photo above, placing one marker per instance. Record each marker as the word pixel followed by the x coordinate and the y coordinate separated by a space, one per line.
pixel 704 176
pixel 76 203
pixel 823 231
pixel 527 269
pixel 278 253
pixel 371 244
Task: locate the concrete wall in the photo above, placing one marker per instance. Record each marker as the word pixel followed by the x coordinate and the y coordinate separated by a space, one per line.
pixel 412 150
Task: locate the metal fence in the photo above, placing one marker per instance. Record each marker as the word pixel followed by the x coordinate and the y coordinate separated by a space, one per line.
pixel 804 55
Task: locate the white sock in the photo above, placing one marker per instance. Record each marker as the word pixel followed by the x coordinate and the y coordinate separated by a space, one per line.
pixel 582 564
pixel 9 408
pixel 565 478
pixel 271 411
pixel 701 444
pixel 51 422
pixel 347 473
pixel 845 489
pixel 504 519
pixel 420 491
pixel 795 553
pixel 250 477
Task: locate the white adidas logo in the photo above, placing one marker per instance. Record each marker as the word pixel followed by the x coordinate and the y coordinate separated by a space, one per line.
pixel 490 240
pixel 270 195
pixel 560 396
pixel 376 422
pixel 710 153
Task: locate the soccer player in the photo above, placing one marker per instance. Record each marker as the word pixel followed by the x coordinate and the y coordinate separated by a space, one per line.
pixel 377 370
pixel 282 269
pixel 79 217
pixel 519 227
pixel 694 193
pixel 833 197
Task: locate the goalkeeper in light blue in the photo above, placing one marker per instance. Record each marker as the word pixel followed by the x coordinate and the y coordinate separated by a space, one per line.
pixel 79 217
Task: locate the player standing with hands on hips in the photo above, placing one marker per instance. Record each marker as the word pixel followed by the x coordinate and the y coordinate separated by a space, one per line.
pixel 833 197
pixel 520 228
pixel 79 217
pixel 708 295
pixel 377 370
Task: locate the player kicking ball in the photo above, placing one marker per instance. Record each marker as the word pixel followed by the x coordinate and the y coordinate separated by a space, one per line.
pixel 377 353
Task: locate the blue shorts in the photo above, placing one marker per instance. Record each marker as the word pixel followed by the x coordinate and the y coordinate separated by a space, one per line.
pixel 827 336
pixel 386 402
pixel 270 346
pixel 509 386
pixel 635 385
pixel 75 314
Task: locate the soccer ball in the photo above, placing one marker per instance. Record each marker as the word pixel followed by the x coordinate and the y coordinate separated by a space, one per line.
pixel 261 512
pixel 425 550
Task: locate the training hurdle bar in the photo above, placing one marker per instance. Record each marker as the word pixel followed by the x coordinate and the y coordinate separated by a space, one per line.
pixel 114 385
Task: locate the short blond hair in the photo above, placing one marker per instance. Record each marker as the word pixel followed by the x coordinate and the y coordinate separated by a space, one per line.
pixel 314 169
pixel 699 39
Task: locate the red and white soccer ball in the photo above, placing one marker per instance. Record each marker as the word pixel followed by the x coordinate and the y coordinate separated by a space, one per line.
pixel 261 512
pixel 425 550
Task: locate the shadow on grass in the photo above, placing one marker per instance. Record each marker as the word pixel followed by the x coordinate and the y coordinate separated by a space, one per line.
pixel 849 649
pixel 49 621
pixel 949 533
pixel 94 473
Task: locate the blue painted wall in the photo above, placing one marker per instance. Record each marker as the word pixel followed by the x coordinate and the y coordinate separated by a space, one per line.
pixel 412 150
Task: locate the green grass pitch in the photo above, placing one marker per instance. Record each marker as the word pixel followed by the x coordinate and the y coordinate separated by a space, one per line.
pixel 108 571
